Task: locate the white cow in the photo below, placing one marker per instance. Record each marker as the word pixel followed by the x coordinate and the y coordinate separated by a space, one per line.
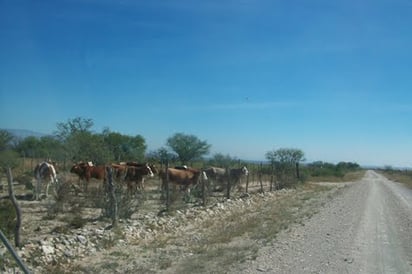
pixel 44 171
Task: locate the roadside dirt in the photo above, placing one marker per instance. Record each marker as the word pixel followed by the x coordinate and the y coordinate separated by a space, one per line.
pixel 366 229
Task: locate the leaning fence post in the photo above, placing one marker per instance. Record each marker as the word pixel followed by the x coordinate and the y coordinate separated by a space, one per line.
pixel 16 206
pixel 13 253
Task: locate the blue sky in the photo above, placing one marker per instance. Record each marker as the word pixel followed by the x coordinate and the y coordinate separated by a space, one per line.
pixel 332 78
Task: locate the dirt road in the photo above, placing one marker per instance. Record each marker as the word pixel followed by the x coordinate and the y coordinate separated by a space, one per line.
pixel 365 229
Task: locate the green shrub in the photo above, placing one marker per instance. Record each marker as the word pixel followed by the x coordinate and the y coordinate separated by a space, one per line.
pixel 7 218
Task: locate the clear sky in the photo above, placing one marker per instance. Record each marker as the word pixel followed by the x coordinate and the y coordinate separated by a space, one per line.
pixel 332 78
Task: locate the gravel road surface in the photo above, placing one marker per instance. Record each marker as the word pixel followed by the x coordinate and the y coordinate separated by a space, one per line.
pixel 367 228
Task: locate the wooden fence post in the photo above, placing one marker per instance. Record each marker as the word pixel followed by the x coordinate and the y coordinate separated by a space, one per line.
pixel 203 189
pixel 297 171
pixel 167 187
pixel 16 207
pixel 247 182
pixel 271 176
pixel 228 183
pixel 113 200
pixel 260 177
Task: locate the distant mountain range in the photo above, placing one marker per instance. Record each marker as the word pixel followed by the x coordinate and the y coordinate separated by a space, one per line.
pixel 23 133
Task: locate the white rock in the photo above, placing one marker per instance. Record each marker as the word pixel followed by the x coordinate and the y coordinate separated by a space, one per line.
pixel 82 239
pixel 47 249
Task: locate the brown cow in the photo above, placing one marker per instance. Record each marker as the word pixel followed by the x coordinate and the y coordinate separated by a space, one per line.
pixel 119 171
pixel 136 174
pixel 80 170
pixel 86 171
pixel 182 177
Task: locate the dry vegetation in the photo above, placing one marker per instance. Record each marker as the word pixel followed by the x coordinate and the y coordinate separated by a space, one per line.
pixel 347 177
pixel 401 176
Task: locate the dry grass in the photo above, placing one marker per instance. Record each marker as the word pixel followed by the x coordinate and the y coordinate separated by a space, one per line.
pixel 348 177
pixel 234 237
pixel 400 176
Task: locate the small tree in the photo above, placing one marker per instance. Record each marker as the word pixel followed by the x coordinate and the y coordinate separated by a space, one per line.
pixel 221 160
pixel 285 160
pixel 87 146
pixel 5 139
pixel 188 147
pixel 162 155
pixel 8 157
pixel 73 126
pixel 285 155
pixel 124 147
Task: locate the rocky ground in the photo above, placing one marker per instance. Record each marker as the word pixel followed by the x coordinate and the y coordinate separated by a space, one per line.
pixel 149 242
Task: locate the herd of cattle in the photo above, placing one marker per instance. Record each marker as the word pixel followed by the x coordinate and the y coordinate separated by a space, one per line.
pixel 133 174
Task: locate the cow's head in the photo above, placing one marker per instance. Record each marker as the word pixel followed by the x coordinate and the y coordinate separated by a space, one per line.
pixel 245 171
pixel 154 168
pixel 78 169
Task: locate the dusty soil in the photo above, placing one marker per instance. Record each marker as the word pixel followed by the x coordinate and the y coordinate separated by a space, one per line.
pixel 356 227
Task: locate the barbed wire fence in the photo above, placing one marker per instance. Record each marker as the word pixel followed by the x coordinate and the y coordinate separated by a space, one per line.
pixel 115 202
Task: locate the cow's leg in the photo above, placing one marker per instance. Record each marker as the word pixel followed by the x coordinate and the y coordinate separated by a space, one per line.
pixel 37 189
pixel 56 187
pixel 54 183
pixel 80 184
pixel 136 187
pixel 85 184
pixel 162 188
pixel 187 198
pixel 47 189
pixel 142 184
pixel 129 187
